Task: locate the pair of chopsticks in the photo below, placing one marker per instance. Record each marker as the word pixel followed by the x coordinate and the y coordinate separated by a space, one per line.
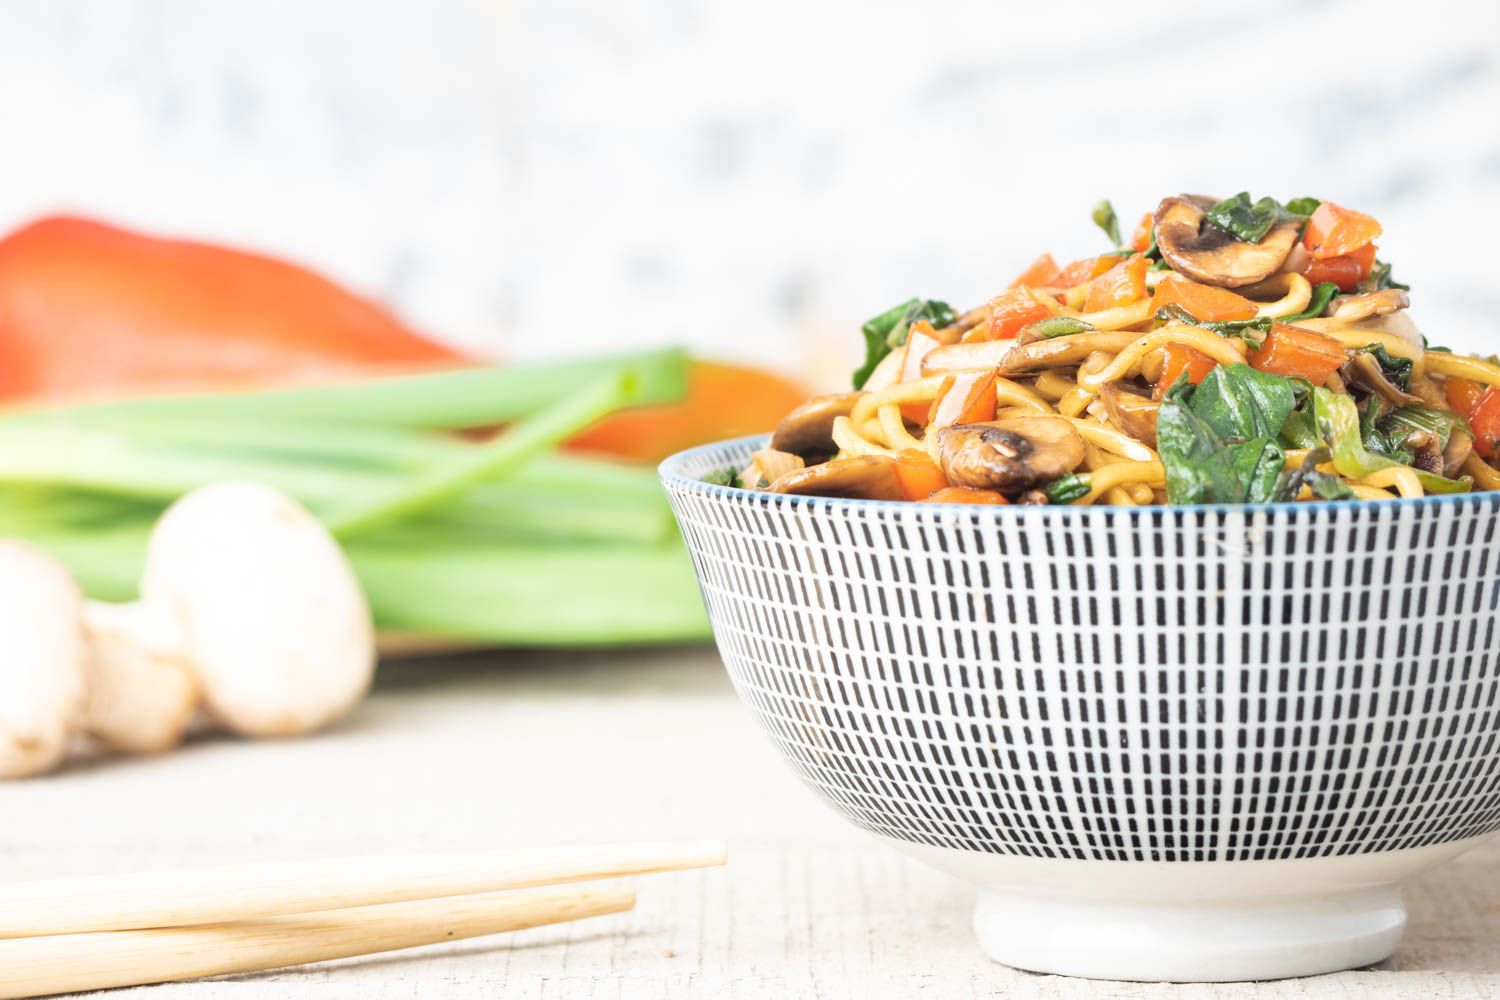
pixel 70 935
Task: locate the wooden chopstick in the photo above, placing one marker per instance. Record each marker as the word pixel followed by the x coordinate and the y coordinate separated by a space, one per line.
pixel 242 892
pixel 71 963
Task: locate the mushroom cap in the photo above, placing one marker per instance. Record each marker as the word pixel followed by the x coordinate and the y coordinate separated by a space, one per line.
pixel 1131 412
pixel 42 669
pixel 1211 255
pixel 141 696
pixel 272 619
pixel 865 477
pixel 807 431
pixel 1009 454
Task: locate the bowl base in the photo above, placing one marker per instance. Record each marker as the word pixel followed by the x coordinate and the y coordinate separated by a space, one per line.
pixel 1202 943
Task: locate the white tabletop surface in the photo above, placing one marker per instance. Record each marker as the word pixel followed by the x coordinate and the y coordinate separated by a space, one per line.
pixel 526 749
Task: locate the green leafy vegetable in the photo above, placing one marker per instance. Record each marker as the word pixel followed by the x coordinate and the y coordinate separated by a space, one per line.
pixel 1379 279
pixel 1324 485
pixel 723 477
pixel 1058 326
pixel 1225 328
pixel 1377 441
pixel 1339 419
pixel 888 331
pixel 1322 294
pixel 1302 207
pixel 1218 440
pixel 1397 370
pixel 1066 489
pixel 1105 219
pixel 1246 221
pixel 1442 423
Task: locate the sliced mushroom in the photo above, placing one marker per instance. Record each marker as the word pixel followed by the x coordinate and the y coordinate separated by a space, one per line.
pixel 1009 454
pixel 1131 412
pixel 1362 371
pixel 1398 324
pixel 1456 453
pixel 1381 303
pixel 1033 498
pixel 1063 352
pixel 808 430
pixel 1427 454
pixel 1211 255
pixel 981 355
pixel 865 477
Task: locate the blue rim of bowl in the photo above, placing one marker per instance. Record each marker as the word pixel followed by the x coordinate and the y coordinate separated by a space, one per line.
pixel 671 474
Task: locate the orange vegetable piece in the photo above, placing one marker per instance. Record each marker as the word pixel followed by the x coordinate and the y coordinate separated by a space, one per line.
pixel 1479 404
pixel 1204 302
pixel 1297 353
pixel 1080 271
pixel 919 343
pixel 966 494
pixel 1334 231
pixel 919 475
pixel 1041 274
pixel 1119 286
pixel 966 398
pixel 723 401
pixel 1140 240
pixel 1179 358
pixel 1346 271
pixel 1009 312
pixel 91 310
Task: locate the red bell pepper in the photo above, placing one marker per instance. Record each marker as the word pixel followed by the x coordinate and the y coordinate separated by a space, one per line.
pixel 1179 358
pixel 1298 353
pixel 88 309
pixel 1203 302
pixel 1042 273
pixel 1140 240
pixel 1346 271
pixel 1121 285
pixel 966 398
pixel 966 494
pixel 1479 404
pixel 1009 312
pixel 1334 231
pixel 919 475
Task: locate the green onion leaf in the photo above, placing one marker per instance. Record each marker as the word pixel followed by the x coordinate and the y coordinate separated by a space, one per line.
pixel 1058 326
pixel 1066 489
pixel 1105 219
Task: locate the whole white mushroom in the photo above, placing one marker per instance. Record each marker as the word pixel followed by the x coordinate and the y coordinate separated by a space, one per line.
pixel 252 594
pixel 42 668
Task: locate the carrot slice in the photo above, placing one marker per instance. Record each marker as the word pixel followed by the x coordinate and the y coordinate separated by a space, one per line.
pixel 1298 353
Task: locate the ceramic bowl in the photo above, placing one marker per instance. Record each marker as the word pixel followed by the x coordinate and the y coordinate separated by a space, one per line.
pixel 1194 744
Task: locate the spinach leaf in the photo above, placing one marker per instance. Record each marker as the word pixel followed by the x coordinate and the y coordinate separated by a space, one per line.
pixel 1105 219
pixel 1340 421
pixel 1322 294
pixel 1066 489
pixel 1377 441
pixel 1397 370
pixel 1225 328
pixel 1443 423
pixel 1246 221
pixel 1218 441
pixel 723 477
pixel 1379 279
pixel 1324 485
pixel 1303 207
pixel 1058 326
pixel 888 331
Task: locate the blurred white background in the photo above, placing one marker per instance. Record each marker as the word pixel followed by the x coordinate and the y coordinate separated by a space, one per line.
pixel 753 179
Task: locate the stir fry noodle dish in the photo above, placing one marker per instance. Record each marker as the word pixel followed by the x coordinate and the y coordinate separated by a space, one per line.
pixel 1232 351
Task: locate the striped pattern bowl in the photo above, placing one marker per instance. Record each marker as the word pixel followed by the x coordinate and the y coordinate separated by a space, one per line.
pixel 1165 743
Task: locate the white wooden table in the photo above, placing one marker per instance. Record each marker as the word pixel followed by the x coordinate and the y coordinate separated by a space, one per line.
pixel 479 751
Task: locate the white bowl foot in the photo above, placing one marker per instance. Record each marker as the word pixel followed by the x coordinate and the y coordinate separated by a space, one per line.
pixel 1202 942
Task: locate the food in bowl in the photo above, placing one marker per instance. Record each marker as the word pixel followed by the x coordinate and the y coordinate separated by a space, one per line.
pixel 1233 351
pixel 1165 738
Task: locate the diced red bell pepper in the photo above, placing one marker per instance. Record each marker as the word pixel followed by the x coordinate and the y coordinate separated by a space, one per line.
pixel 1346 271
pixel 1080 271
pixel 1140 240
pixel 1179 358
pixel 1204 302
pixel 1042 273
pixel 1479 404
pixel 1334 231
pixel 919 475
pixel 966 398
pixel 1121 285
pixel 1296 353
pixel 966 494
pixel 1009 312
